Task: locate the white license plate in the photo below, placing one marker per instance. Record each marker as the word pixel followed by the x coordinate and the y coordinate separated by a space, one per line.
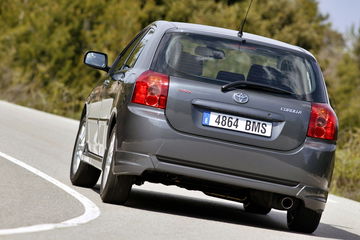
pixel 235 123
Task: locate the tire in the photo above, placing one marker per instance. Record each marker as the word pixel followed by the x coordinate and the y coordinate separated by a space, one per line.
pixel 252 207
pixel 114 188
pixel 81 173
pixel 302 219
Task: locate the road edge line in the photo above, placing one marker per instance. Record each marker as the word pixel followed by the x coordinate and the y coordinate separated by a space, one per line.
pixel 91 211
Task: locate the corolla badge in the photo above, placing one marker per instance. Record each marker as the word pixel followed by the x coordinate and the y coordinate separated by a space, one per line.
pixel 241 97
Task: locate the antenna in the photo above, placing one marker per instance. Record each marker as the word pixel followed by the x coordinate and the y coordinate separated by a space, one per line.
pixel 240 33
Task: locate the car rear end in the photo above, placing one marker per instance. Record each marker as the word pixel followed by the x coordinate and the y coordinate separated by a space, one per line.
pixel 270 136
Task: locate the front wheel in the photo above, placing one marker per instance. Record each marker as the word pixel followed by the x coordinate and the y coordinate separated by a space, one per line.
pixel 113 188
pixel 302 219
pixel 81 173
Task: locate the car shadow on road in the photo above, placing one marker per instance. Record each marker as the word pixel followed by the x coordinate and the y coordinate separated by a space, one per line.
pixel 222 212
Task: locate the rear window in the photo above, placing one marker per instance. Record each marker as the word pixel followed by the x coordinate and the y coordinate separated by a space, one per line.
pixel 221 61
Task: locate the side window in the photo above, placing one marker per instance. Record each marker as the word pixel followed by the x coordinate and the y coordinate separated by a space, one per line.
pixel 119 63
pixel 139 48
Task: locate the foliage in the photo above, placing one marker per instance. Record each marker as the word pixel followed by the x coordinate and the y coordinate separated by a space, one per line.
pixel 344 92
pixel 346 180
pixel 345 89
pixel 42 44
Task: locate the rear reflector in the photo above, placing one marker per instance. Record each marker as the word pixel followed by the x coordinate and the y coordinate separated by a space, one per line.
pixel 323 122
pixel 151 89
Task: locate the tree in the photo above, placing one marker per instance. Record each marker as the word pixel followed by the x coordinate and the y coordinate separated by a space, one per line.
pixel 42 42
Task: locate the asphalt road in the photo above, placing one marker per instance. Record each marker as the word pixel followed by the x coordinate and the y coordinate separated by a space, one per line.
pixel 36 194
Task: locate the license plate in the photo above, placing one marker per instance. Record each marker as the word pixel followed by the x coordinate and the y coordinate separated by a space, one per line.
pixel 235 123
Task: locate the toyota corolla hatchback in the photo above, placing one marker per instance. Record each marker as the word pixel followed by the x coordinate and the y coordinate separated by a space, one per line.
pixel 241 118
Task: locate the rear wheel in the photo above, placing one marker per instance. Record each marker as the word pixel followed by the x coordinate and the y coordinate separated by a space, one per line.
pixel 113 188
pixel 256 208
pixel 81 173
pixel 302 219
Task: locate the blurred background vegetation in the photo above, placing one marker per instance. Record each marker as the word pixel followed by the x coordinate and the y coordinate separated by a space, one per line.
pixel 42 44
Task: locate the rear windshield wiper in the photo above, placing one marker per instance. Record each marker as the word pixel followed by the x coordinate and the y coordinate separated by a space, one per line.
pixel 244 84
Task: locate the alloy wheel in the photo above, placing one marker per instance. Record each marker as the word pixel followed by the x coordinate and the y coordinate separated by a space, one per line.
pixel 80 147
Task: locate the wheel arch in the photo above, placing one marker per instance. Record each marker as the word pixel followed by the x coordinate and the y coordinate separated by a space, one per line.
pixel 112 123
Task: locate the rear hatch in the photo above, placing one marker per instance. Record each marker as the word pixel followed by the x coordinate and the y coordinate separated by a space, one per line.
pixel 272 112
pixel 190 103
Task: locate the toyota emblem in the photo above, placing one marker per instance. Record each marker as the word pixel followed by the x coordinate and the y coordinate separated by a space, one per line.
pixel 241 97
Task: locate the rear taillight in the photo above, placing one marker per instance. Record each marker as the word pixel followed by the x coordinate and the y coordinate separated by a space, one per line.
pixel 323 122
pixel 151 89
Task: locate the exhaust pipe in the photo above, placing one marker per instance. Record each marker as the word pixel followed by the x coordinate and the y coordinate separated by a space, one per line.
pixel 287 203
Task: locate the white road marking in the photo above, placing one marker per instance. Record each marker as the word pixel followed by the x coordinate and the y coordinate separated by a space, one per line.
pixel 91 210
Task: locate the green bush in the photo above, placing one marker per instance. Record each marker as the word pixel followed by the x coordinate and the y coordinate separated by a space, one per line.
pixel 346 178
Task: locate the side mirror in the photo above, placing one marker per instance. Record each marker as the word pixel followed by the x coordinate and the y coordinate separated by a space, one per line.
pixel 96 60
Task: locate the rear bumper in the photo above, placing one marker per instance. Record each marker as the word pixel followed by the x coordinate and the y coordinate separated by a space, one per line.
pixel 148 143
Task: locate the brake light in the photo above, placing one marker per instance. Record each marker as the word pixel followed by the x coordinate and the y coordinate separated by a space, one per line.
pixel 323 122
pixel 151 89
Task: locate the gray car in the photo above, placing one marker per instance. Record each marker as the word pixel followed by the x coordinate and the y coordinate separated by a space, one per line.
pixel 241 118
